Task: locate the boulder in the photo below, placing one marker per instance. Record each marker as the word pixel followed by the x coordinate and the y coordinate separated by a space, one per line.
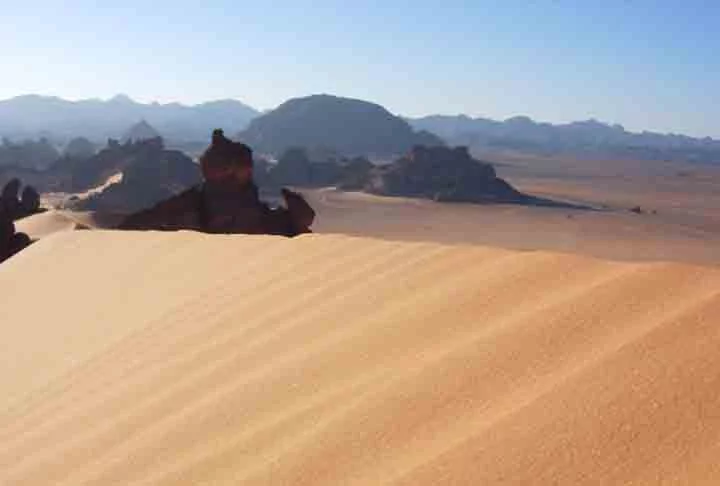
pixel 16 208
pixel 9 197
pixel 30 200
pixel 11 242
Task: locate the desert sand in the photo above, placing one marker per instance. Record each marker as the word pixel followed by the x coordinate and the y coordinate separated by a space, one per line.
pixel 181 358
pixel 609 234
pixel 50 222
pixel 680 220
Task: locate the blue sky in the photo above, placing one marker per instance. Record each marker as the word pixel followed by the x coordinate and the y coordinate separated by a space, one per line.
pixel 645 64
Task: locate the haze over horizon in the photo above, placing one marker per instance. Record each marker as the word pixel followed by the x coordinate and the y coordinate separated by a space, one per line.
pixel 619 62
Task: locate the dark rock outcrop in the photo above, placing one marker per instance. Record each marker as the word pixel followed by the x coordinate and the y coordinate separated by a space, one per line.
pixel 204 208
pixel 450 175
pixel 11 209
pixel 11 241
pixel 7 236
pixel 14 207
pixel 442 174
pixel 29 201
pixel 9 202
pixel 438 173
pixel 330 123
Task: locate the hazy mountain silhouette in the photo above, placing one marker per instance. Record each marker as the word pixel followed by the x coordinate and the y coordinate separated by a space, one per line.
pixel 581 137
pixel 28 154
pixel 32 116
pixel 344 125
pixel 140 131
pixel 322 122
pixel 79 148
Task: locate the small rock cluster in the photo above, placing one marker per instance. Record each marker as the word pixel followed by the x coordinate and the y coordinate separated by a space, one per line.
pixel 18 205
pixel 12 208
pixel 11 241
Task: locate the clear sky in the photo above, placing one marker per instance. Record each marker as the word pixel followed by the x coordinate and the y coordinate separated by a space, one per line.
pixel 648 64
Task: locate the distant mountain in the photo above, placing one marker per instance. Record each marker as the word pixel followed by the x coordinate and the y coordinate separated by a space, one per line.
pixel 140 131
pixel 343 125
pixel 32 116
pixel 581 137
pixel 79 148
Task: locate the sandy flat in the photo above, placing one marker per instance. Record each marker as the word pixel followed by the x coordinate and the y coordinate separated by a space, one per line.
pixel 180 358
pixel 612 234
pixel 609 234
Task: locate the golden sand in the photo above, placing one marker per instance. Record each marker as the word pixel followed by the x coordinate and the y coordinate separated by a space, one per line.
pixel 180 358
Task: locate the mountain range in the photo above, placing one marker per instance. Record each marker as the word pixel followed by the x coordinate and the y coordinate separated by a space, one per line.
pixel 335 124
pixel 32 116
pixel 581 137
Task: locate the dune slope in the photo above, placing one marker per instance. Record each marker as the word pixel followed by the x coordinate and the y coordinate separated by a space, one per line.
pixel 156 358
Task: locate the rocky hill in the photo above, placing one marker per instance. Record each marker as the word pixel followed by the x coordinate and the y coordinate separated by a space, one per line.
pixel 442 174
pixel 150 174
pixel 140 131
pixel 343 125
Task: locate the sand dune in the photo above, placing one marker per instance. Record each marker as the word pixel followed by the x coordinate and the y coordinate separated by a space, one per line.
pixel 182 358
pixel 45 224
pixel 54 221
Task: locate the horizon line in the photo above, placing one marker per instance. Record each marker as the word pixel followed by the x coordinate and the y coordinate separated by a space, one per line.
pixel 124 97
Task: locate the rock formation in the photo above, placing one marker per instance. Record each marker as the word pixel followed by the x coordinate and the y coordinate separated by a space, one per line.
pixel 9 202
pixel 14 207
pixel 149 174
pixel 29 201
pixel 439 173
pixel 442 174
